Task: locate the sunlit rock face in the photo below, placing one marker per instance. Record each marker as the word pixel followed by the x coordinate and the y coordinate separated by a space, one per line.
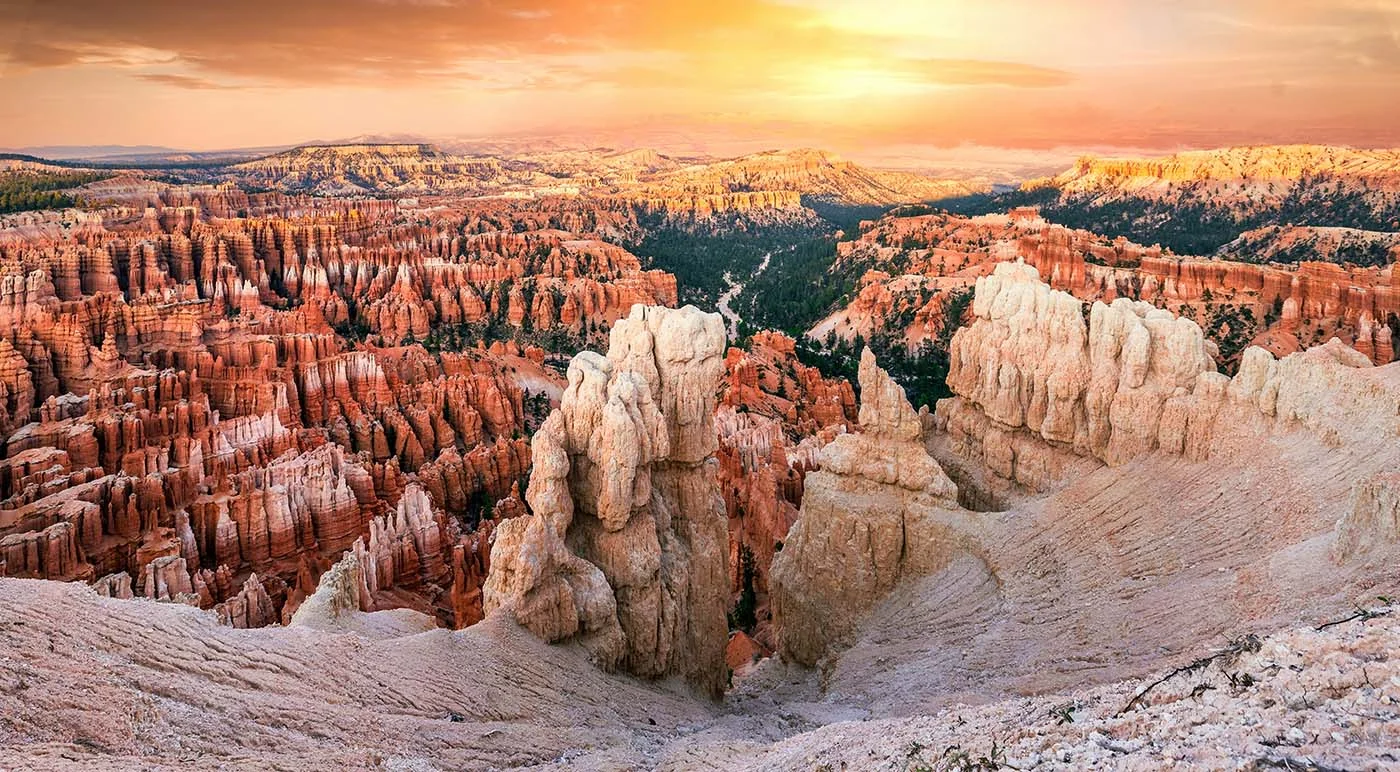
pixel 626 549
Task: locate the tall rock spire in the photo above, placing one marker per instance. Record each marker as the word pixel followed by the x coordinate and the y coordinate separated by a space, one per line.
pixel 626 551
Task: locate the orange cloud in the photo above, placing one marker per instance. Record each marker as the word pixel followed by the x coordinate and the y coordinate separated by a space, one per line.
pixel 183 81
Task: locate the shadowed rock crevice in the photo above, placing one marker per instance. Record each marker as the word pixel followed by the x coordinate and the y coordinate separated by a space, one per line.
pixel 879 512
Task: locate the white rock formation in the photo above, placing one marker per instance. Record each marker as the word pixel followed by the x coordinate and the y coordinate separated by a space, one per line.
pixel 626 550
pixel 342 604
pixel 1374 519
pixel 877 513
pixel 1037 386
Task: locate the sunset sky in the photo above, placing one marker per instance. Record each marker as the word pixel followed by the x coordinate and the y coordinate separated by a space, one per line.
pixel 852 75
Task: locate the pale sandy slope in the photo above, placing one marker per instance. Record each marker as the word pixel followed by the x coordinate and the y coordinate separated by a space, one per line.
pixel 93 683
pixel 90 683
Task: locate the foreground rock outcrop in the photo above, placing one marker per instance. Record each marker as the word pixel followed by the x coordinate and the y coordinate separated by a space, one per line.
pixel 1038 387
pixel 626 549
pixel 1145 518
pixel 873 516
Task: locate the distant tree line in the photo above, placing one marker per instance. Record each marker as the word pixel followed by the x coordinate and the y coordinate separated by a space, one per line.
pixel 700 258
pixel 24 191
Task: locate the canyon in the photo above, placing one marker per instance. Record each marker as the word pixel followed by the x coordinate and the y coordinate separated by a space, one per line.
pixel 945 606
pixel 211 396
pixel 380 456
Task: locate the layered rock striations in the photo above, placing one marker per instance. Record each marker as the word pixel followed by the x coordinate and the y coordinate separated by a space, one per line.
pixel 352 169
pixel 814 173
pixel 1242 177
pixel 874 515
pixel 768 183
pixel 625 550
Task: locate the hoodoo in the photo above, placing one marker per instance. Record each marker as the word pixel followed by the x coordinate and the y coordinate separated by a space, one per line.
pixel 1042 395
pixel 877 513
pixel 626 548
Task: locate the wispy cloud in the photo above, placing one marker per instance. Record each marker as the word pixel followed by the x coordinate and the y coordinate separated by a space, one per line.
pixel 184 81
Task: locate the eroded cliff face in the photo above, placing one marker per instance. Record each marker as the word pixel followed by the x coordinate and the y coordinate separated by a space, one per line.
pixel 1242 178
pixel 352 169
pixel 769 183
pixel 874 515
pixel 1039 387
pixel 814 173
pixel 626 547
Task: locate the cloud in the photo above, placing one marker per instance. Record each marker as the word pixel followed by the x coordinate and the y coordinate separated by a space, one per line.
pixel 184 81
pixel 37 54
pixel 374 42
pixel 307 41
pixel 1328 38
pixel 1022 72
pixel 971 72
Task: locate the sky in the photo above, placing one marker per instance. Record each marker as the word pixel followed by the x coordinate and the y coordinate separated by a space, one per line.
pixel 855 76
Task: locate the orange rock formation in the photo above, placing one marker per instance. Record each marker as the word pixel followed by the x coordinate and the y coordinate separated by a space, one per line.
pixel 775 414
pixel 203 398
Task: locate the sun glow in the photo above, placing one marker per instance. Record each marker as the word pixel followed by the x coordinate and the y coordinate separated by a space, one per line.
pixel 851 82
pixel 1021 73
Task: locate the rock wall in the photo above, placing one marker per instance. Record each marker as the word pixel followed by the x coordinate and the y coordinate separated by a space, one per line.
pixel 1038 387
pixel 625 551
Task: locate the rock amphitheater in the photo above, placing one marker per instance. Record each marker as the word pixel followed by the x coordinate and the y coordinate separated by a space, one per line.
pixel 239 546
